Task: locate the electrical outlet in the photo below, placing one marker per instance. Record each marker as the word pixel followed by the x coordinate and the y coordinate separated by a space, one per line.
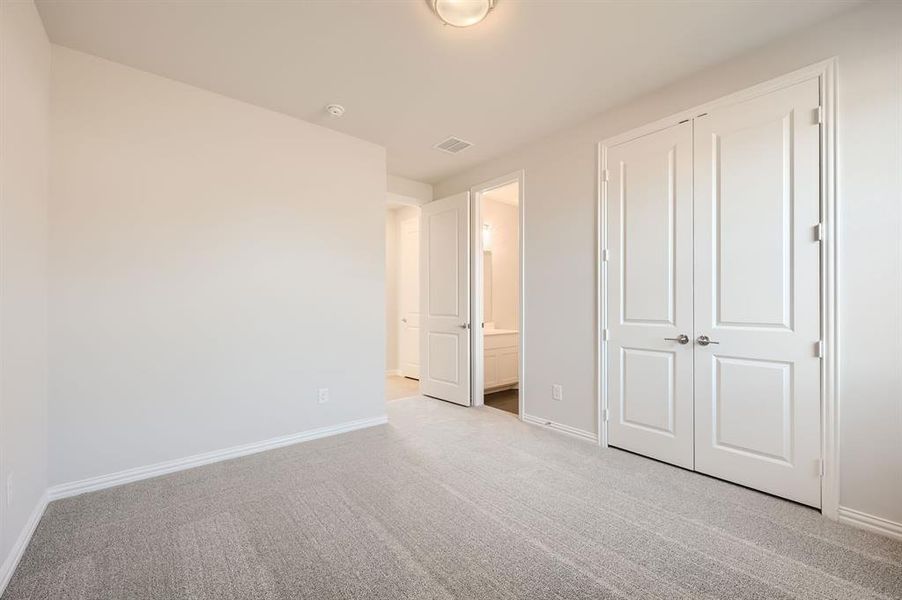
pixel 557 392
pixel 9 489
pixel 322 395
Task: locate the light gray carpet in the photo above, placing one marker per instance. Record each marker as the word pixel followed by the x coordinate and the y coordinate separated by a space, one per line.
pixel 446 502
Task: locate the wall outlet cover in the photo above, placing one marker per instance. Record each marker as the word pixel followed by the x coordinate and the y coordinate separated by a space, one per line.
pixel 557 392
pixel 322 395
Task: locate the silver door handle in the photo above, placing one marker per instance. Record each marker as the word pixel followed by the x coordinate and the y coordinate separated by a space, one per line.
pixel 704 341
pixel 464 326
pixel 681 339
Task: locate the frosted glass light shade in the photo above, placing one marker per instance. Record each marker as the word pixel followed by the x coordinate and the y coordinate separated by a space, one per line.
pixel 461 13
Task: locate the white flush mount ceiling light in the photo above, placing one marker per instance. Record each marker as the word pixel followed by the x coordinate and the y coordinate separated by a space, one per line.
pixel 461 13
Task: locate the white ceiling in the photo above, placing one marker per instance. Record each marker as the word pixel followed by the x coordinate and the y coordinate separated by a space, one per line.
pixel 407 81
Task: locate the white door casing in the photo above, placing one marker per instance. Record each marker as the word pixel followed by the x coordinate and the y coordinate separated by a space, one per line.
pixel 445 299
pixel 410 297
pixel 757 205
pixel 649 229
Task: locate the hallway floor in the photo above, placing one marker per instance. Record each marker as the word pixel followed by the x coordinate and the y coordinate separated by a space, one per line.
pixel 400 387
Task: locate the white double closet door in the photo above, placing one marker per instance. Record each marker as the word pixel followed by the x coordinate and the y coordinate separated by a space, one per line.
pixel 711 236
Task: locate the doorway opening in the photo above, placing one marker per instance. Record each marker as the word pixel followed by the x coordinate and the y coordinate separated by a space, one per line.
pixel 402 301
pixel 468 263
pixel 497 295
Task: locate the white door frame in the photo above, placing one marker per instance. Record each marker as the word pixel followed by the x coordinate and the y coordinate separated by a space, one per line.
pixel 477 350
pixel 825 73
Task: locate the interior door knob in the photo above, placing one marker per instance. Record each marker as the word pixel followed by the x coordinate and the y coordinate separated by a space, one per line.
pixel 680 339
pixel 704 341
pixel 404 320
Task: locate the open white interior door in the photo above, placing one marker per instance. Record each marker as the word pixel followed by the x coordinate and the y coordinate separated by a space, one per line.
pixel 445 299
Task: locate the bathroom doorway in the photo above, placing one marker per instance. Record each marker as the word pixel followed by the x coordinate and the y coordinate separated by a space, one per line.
pixel 497 301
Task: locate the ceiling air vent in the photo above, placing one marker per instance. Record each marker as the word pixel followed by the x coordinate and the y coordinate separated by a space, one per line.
pixel 452 145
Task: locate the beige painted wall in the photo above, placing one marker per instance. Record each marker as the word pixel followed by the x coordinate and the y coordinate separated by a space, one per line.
pixel 24 123
pixel 560 239
pixel 211 263
pixel 503 220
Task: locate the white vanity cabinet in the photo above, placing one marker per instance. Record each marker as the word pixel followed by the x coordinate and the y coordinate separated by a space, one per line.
pixel 502 358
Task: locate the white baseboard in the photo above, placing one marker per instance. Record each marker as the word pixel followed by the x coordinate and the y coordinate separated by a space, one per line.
pixel 870 522
pixel 18 549
pixel 393 372
pixel 573 431
pixel 92 484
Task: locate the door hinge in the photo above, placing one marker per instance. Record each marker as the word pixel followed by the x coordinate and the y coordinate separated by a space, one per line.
pixel 604 175
pixel 817 115
pixel 819 348
pixel 604 415
pixel 604 334
pixel 819 232
pixel 605 255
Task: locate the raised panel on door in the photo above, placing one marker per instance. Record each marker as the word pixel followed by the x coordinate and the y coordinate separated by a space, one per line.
pixel 647 394
pixel 757 268
pixel 444 299
pixel 443 348
pixel 761 428
pixel 649 240
pixel 409 298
